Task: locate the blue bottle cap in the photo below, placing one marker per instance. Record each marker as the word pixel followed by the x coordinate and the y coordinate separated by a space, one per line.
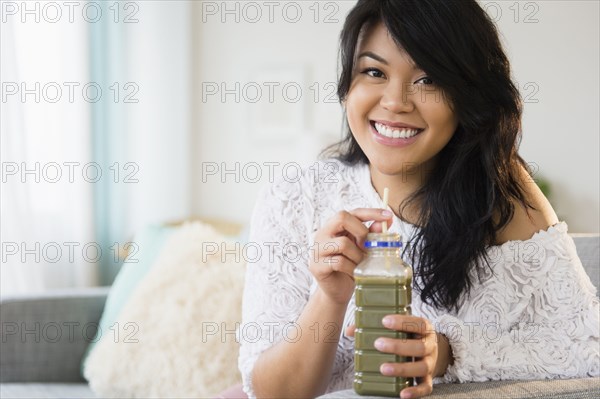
pixel 383 244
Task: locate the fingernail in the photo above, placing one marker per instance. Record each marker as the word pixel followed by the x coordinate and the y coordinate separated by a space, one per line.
pixel 386 369
pixel 387 321
pixel 405 395
pixel 379 344
pixel 387 213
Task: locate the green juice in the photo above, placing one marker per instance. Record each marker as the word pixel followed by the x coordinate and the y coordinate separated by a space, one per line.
pixel 376 297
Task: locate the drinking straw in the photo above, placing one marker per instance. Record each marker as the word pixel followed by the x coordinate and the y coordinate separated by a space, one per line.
pixel 384 226
pixel 386 193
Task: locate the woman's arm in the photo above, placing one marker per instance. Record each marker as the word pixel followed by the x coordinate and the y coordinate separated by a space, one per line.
pixel 536 317
pixel 302 368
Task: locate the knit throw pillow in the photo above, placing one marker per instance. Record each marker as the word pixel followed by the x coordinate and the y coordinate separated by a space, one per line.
pixel 175 337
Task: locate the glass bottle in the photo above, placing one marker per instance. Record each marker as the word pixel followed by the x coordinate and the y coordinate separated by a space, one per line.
pixel 383 286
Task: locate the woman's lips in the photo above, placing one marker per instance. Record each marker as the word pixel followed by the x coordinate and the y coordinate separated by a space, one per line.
pixel 393 142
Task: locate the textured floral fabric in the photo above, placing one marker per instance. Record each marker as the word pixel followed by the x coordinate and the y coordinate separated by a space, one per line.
pixel 534 315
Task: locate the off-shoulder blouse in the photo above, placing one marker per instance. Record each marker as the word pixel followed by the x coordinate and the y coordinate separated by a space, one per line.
pixel 534 314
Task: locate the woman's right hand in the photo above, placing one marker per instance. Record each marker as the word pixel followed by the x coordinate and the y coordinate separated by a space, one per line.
pixel 339 249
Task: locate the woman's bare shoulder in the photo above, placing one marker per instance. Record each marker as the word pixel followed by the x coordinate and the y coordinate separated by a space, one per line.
pixel 526 222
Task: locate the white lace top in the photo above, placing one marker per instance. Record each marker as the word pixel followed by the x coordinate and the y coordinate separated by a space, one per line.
pixel 535 317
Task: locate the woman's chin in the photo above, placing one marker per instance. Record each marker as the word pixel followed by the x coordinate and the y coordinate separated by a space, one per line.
pixel 393 167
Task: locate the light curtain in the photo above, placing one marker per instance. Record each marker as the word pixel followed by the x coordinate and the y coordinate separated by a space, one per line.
pixel 136 134
pixel 46 218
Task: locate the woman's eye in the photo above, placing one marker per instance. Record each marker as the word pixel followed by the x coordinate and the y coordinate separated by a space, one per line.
pixel 426 80
pixel 373 72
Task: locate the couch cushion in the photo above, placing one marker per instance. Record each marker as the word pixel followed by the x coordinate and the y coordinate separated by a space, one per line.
pixel 178 329
pixel 588 250
pixel 44 336
pixel 35 391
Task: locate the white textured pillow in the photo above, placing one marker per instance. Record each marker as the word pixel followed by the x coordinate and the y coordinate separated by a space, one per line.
pixel 182 316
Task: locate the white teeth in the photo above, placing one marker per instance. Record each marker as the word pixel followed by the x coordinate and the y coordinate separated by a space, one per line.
pixel 395 133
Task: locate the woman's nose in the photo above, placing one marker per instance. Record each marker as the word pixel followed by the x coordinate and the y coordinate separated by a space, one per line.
pixel 397 97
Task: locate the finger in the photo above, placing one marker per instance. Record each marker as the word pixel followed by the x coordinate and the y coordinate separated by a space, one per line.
pixel 377 227
pixel 340 263
pixel 342 222
pixel 368 214
pixel 351 223
pixel 410 324
pixel 419 368
pixel 424 388
pixel 406 347
pixel 341 246
pixel 335 263
pixel 350 330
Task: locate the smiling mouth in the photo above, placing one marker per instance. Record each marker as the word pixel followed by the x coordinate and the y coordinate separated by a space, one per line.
pixel 395 132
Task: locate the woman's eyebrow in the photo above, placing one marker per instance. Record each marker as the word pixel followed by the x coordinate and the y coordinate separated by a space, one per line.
pixel 376 57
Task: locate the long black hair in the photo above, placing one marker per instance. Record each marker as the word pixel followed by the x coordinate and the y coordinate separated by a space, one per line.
pixel 468 197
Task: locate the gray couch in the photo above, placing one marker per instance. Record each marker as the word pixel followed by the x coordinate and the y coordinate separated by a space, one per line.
pixel 44 338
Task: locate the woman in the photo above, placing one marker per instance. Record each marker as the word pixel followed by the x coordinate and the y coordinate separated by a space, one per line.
pixel 433 115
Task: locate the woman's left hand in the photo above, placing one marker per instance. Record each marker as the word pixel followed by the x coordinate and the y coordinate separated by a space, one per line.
pixel 431 351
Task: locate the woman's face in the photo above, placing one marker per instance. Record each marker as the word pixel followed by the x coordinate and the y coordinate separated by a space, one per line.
pixel 398 116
